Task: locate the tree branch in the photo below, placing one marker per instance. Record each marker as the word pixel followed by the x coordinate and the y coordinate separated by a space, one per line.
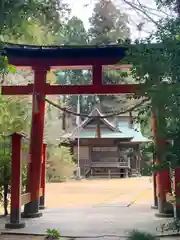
pixel 138 8
pixel 103 116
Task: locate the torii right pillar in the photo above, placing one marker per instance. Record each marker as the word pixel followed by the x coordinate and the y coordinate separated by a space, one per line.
pixel 163 182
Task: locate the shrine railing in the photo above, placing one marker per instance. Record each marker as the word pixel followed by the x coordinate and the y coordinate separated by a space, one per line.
pixel 108 164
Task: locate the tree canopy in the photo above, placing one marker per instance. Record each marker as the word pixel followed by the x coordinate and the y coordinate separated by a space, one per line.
pixel 174 4
pixel 14 13
pixel 108 23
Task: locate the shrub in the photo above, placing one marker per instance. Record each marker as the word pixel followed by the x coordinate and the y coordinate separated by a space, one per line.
pixel 52 234
pixel 138 235
pixel 60 164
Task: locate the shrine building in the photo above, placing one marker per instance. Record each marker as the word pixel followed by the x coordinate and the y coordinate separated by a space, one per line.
pixel 111 151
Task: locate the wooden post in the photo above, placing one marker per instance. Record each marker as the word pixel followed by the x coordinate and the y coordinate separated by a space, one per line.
pixel 91 172
pixel 109 173
pixel 137 160
pixel 126 173
pixel 130 120
pixel 43 178
pixel 98 128
pixel 15 215
pixel 31 209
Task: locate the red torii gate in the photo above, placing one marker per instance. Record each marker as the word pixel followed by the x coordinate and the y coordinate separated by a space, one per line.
pixel 41 60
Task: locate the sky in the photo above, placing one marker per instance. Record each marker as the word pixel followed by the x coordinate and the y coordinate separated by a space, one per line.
pixel 79 9
pixel 84 12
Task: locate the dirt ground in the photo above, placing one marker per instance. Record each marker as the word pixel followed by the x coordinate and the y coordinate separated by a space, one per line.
pixel 93 193
pixel 97 192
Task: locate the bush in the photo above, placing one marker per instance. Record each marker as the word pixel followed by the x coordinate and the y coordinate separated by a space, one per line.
pixel 147 153
pixel 60 164
pixel 138 235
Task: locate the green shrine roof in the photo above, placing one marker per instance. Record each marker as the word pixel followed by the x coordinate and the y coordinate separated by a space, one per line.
pixel 120 130
pixel 126 134
pixel 104 134
pixel 135 134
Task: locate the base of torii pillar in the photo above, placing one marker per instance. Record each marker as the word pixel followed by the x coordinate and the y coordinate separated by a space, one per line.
pixel 31 210
pixel 42 203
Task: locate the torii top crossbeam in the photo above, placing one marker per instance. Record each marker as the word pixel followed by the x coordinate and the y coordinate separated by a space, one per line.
pixel 97 58
pixel 69 57
pixel 27 55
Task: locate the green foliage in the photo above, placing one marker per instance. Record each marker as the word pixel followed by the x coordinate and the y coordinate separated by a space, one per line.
pixel 5 156
pixel 18 18
pixel 108 23
pixel 147 154
pixel 172 4
pixel 41 34
pixel 61 164
pixel 5 170
pixel 14 115
pixel 52 234
pixel 15 13
pixel 157 65
pixel 75 32
pixel 138 235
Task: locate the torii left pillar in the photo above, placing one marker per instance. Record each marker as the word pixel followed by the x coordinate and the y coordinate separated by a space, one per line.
pixel 31 209
pixel 15 215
